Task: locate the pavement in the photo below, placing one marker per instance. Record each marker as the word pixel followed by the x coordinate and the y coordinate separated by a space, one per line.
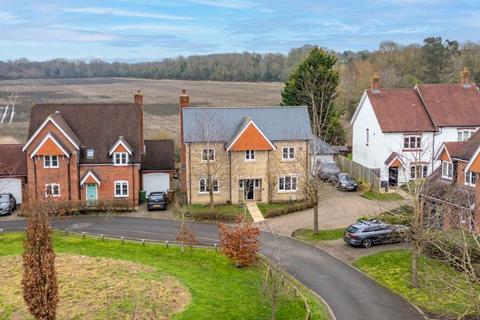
pixel 255 212
pixel 336 210
pixel 349 293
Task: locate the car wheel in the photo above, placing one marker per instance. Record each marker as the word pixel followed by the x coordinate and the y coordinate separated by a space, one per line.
pixel 366 243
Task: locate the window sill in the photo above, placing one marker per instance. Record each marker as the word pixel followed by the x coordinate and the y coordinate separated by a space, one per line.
pixel 121 196
pixel 288 160
pixel 447 178
pixel 287 191
pixel 411 150
pixel 249 160
pixel 51 167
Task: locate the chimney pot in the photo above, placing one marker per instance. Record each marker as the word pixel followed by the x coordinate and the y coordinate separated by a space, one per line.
pixel 138 97
pixel 375 80
pixel 184 99
pixel 466 77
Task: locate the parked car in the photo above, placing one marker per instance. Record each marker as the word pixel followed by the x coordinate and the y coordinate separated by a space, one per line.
pixel 157 200
pixel 345 182
pixel 368 233
pixel 328 171
pixel 8 203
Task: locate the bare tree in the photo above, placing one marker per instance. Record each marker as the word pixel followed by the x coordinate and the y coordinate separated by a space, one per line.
pixel 39 282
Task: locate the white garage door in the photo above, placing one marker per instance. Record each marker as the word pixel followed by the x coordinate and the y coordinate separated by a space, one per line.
pixel 156 182
pixel 13 186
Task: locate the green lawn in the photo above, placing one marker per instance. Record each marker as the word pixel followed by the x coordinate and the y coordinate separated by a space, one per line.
pixel 218 289
pixel 308 235
pixel 392 269
pixel 372 195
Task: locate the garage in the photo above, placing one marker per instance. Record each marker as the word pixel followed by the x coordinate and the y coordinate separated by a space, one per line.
pixel 156 182
pixel 13 186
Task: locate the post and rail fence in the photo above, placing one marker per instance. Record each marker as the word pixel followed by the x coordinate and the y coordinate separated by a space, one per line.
pixel 359 173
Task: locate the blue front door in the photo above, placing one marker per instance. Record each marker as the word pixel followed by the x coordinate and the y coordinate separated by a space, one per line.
pixel 91 192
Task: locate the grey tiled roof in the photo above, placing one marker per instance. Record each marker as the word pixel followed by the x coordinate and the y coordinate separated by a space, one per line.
pixel 320 147
pixel 222 124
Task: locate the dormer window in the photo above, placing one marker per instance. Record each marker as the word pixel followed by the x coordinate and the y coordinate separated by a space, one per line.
pixel 120 158
pixel 90 153
pixel 471 178
pixel 50 161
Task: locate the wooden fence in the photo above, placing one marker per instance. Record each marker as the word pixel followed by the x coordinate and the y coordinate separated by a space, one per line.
pixel 359 172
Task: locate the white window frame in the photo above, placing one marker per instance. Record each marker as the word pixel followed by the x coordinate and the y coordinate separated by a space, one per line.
pixel 120 158
pixel 249 155
pixel 464 134
pixel 90 153
pixel 368 137
pixel 282 185
pixel 52 186
pixel 417 142
pixel 205 191
pixel 50 160
pixel 419 173
pixel 208 153
pixel 290 153
pixel 469 177
pixel 447 170
pixel 122 183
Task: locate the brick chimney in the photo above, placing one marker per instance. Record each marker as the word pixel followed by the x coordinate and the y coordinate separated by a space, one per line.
pixel 466 77
pixel 375 81
pixel 184 102
pixel 138 99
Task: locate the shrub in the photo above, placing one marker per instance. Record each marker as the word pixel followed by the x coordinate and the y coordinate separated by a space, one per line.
pixel 240 242
pixel 401 215
pixel 452 247
pixel 64 208
pixel 288 208
pixel 223 213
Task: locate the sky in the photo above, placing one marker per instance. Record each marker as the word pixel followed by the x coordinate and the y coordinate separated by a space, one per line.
pixel 146 30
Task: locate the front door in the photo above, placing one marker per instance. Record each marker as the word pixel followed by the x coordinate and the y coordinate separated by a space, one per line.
pixel 91 192
pixel 392 177
pixel 249 186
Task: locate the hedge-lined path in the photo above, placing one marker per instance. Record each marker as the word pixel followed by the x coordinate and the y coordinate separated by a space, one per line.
pixel 350 294
pixel 257 216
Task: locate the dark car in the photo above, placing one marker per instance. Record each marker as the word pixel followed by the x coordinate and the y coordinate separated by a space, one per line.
pixel 8 203
pixel 368 233
pixel 345 182
pixel 157 200
pixel 328 171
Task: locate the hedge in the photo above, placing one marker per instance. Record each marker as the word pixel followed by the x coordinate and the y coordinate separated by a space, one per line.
pixel 289 208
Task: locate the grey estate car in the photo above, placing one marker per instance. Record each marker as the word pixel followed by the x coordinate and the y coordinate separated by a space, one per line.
pixel 369 232
pixel 8 203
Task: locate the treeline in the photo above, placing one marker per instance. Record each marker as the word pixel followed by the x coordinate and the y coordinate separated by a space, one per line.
pixel 221 67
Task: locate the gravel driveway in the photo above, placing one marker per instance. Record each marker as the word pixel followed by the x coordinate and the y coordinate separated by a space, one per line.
pixel 338 210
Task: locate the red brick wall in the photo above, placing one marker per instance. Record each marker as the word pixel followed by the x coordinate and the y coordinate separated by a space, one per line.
pixel 184 102
pixel 476 214
pixel 108 174
pixel 461 172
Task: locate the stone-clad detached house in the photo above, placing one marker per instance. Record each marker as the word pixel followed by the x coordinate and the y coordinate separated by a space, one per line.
pixel 249 153
pixel 400 131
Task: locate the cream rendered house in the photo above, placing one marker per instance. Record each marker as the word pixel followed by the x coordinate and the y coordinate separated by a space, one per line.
pixel 244 153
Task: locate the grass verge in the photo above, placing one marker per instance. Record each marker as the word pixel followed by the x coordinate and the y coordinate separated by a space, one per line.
pixel 435 295
pixel 218 290
pixel 322 235
pixel 372 195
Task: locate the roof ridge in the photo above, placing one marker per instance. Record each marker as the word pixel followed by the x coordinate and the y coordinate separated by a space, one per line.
pixel 245 107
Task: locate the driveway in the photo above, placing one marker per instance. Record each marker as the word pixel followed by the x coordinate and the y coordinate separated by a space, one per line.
pixel 336 210
pixel 350 294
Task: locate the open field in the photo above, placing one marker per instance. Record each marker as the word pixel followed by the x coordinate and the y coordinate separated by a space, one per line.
pixel 201 283
pixel 161 99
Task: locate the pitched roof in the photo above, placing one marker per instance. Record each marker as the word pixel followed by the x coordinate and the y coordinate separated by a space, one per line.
pixel 400 110
pixel 159 155
pixel 250 137
pixel 13 161
pixel 451 104
pixel 222 124
pixel 97 126
pixel 456 150
pixel 391 158
pixel 320 147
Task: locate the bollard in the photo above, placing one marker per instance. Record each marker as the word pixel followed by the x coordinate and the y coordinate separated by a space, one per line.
pixel 122 239
pixel 102 236
pixel 83 235
pixel 66 232
pixel 166 243
pixel 143 242
pixel 1 232
pixel 216 246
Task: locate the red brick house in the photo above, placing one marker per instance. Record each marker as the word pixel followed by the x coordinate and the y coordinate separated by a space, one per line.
pixel 85 152
pixel 13 171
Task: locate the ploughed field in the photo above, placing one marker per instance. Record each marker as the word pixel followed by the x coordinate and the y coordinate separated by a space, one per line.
pixel 161 99
pixel 111 280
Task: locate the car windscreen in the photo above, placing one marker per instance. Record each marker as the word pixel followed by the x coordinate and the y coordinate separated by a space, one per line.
pixel 4 198
pixel 352 229
pixel 156 196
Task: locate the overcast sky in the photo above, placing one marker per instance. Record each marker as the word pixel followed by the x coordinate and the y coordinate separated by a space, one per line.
pixel 135 30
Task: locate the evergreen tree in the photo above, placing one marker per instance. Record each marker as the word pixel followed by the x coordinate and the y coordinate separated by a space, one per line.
pixel 313 83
